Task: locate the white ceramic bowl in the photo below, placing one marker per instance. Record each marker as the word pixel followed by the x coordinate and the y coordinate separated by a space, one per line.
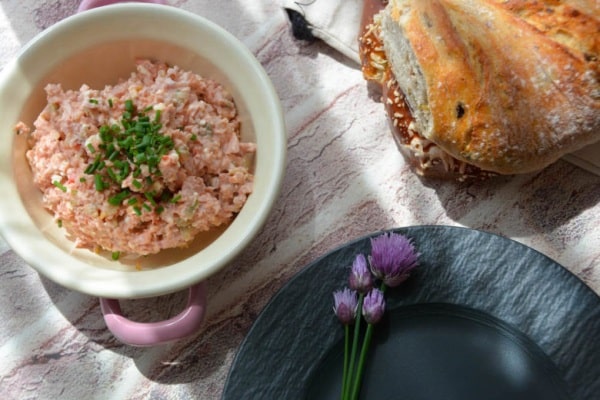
pixel 97 47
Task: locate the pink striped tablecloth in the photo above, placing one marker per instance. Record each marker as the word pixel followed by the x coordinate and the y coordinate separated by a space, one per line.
pixel 344 179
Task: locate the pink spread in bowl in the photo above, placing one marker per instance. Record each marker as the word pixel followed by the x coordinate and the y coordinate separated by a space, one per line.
pixel 97 48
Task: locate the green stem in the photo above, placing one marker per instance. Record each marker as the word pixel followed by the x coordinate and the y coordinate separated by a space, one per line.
pixel 346 392
pixel 356 382
pixel 346 351
pixel 361 362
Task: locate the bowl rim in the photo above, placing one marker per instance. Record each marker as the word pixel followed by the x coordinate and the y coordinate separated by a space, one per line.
pixel 25 239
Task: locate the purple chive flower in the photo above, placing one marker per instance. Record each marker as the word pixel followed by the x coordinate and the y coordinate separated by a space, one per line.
pixel 360 278
pixel 345 304
pixel 373 306
pixel 393 257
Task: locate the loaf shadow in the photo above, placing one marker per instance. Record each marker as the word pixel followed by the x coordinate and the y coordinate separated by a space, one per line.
pixel 525 205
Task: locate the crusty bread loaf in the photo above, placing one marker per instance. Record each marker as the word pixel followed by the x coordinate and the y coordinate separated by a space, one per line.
pixel 503 86
pixel 426 157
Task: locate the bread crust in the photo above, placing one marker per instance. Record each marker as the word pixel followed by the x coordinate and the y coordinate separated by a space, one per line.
pixel 511 85
pixel 424 156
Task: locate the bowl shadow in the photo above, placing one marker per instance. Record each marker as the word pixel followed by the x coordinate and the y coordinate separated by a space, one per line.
pixel 171 363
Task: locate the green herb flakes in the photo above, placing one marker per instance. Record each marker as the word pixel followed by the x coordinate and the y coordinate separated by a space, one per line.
pixel 60 186
pixel 126 150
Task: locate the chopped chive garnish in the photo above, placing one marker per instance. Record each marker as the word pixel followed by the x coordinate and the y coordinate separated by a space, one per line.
pixel 115 255
pixel 153 160
pixel 176 198
pixel 118 198
pixel 140 158
pixel 82 179
pixel 150 197
pixel 93 101
pixel 103 131
pixel 112 175
pixel 194 137
pixel 127 149
pixel 129 106
pixel 125 170
pixel 99 183
pixel 91 168
pixel 60 186
pixel 59 223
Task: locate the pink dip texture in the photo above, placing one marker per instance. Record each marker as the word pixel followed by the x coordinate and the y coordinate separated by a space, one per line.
pixel 200 183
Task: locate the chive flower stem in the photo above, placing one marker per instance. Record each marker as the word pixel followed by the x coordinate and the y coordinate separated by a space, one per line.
pixel 361 362
pixel 356 382
pixel 346 360
pixel 346 391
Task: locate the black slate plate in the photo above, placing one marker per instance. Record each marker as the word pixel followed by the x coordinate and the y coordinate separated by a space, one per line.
pixel 482 317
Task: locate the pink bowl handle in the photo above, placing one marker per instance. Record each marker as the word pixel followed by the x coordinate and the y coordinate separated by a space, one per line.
pixel 89 4
pixel 154 333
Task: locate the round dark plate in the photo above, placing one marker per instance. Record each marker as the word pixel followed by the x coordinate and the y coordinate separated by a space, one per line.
pixel 482 317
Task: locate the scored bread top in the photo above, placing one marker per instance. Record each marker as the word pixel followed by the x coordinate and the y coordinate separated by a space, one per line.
pixel 508 86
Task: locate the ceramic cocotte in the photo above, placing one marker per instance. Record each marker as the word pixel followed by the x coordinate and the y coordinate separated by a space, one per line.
pixel 98 47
